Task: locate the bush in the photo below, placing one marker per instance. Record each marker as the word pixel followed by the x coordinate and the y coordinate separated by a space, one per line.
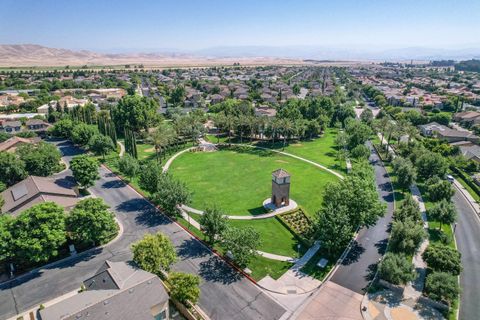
pixel 184 287
pixel 396 269
pixel 438 189
pixel 155 252
pixel 443 259
pixel 128 165
pixel 406 236
pixel 442 286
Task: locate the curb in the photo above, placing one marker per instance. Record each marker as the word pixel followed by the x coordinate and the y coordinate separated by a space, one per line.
pixel 185 229
pixel 52 264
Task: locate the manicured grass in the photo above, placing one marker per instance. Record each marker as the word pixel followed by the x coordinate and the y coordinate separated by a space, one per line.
pixel 321 150
pixel 239 181
pixel 262 267
pixel 313 270
pixel 275 237
pixel 145 151
pixel 466 186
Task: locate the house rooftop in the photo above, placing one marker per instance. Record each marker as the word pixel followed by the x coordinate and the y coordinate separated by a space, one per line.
pixel 118 290
pixel 34 190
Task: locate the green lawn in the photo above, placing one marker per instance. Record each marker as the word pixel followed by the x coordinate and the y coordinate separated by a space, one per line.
pixel 313 270
pixel 145 151
pixel 321 150
pixel 239 181
pixel 262 266
pixel 275 237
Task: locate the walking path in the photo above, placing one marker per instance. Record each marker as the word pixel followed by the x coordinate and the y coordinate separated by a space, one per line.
pixel 292 205
pixel 294 281
pixel 272 256
pixel 122 149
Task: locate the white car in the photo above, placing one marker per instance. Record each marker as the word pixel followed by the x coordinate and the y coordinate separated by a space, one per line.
pixel 450 178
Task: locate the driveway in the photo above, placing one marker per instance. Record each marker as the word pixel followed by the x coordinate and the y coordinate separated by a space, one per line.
pixel 357 270
pixel 225 294
pixel 467 234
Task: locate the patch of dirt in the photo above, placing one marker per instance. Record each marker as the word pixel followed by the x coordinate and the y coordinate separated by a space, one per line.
pixel 297 145
pixel 152 149
pixel 281 161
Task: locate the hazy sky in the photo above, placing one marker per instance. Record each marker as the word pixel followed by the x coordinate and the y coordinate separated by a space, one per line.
pixel 153 24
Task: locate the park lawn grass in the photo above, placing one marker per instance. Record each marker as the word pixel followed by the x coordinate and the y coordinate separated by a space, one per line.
pixel 275 237
pixel 145 151
pixel 472 192
pixel 315 271
pixel 239 181
pixel 262 267
pixel 321 150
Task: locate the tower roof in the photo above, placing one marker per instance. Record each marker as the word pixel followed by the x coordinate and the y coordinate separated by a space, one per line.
pixel 280 173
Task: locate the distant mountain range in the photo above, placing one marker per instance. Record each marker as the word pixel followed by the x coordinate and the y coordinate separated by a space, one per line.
pixel 37 55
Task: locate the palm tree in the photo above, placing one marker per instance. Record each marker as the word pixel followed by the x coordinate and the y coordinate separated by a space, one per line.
pixel 286 129
pixel 162 137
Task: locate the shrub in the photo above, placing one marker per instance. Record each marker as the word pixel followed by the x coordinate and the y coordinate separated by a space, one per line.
pixel 396 269
pixel 443 258
pixel 442 286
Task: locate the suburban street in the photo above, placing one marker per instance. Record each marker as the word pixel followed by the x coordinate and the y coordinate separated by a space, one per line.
pixel 225 294
pixel 357 270
pixel 468 241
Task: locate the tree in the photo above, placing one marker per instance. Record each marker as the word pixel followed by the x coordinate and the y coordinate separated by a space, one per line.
pixel 360 152
pixel 5 237
pixel 442 286
pixel 136 113
pixel 129 166
pixel 357 133
pixel 82 133
pixel 62 128
pixel 38 233
pixel 444 212
pixel 162 137
pixel 396 268
pixel 405 171
pixel 12 169
pixel 367 116
pixel 91 222
pixel 443 258
pixel 42 159
pixel 85 170
pixel 431 164
pixel 184 287
pixel 334 228
pixel 438 189
pixel 242 244
pixel 408 210
pixel 100 144
pixel 154 253
pixel 150 176
pixel 213 223
pixel 170 194
pixel 406 236
pixel 358 193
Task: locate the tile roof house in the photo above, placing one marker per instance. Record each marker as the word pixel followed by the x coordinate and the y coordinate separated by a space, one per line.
pixel 11 126
pixel 36 125
pixel 117 291
pixel 468 117
pixel 34 190
pixel 439 131
pixel 11 144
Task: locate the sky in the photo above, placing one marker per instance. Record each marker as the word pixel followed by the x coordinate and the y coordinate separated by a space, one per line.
pixel 148 25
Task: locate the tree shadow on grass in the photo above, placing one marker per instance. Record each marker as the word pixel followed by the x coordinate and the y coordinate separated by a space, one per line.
pixel 216 270
pixel 354 254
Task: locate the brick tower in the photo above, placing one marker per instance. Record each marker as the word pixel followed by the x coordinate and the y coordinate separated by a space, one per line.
pixel 280 188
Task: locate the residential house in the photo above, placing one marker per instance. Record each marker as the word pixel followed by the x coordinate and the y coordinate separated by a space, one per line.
pixel 468 118
pixel 11 144
pixel 264 110
pixel 11 126
pixel 36 125
pixel 439 131
pixel 34 190
pixel 117 291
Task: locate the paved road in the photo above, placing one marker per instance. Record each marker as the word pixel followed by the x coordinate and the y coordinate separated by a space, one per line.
pixel 359 266
pixel 468 241
pixel 224 293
